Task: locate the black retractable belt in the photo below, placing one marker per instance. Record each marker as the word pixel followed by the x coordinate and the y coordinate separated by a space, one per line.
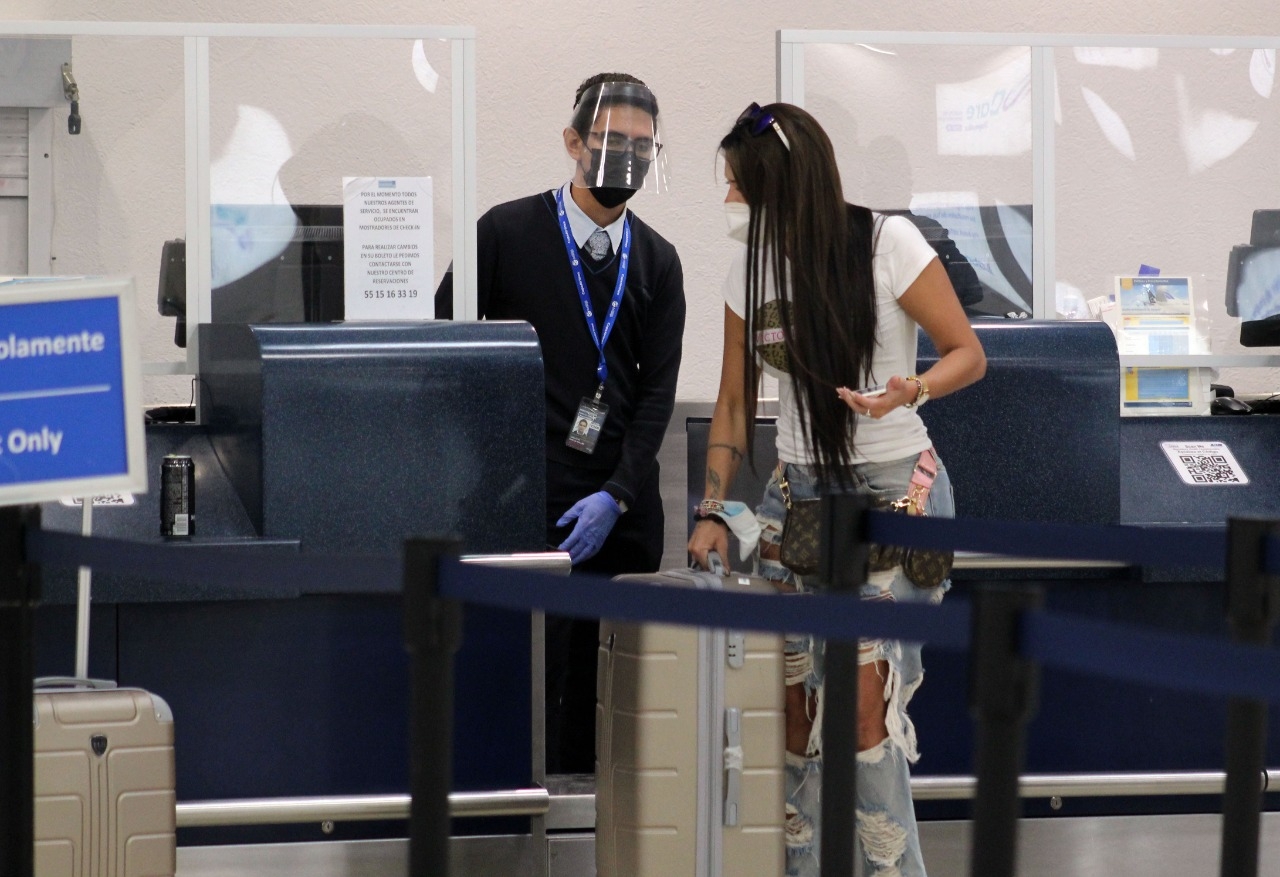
pixel 1253 604
pixel 19 590
pixel 433 632
pixel 844 569
pixel 1003 689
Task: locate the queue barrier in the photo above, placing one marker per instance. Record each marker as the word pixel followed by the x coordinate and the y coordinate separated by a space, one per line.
pixel 1005 628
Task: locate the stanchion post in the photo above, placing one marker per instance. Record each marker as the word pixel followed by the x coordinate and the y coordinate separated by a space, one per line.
pixel 1003 689
pixel 844 567
pixel 19 590
pixel 1253 603
pixel 433 632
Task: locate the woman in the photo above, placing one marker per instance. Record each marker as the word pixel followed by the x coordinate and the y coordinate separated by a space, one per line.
pixel 830 296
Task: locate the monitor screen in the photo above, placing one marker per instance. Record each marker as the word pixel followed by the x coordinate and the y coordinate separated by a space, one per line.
pixel 986 250
pixel 276 263
pixel 1266 228
pixel 1253 293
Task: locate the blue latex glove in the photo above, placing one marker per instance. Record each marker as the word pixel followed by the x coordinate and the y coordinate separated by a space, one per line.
pixel 596 514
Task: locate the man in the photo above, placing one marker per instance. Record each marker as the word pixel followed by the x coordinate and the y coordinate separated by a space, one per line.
pixel 606 295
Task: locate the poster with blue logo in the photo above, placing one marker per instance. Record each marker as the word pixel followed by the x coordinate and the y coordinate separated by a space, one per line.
pixel 70 377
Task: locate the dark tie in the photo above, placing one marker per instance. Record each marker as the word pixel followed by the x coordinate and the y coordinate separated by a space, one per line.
pixel 598 245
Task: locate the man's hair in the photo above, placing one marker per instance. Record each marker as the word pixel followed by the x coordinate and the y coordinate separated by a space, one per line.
pixel 640 97
pixel 817 251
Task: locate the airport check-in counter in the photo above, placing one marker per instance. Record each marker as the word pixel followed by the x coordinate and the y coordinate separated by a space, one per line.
pixel 326 439
pixel 1041 439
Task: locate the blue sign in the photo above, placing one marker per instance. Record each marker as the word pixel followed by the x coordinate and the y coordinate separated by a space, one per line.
pixel 67 425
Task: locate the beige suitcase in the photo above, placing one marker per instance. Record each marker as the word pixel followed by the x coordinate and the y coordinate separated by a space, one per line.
pixel 104 781
pixel 689 745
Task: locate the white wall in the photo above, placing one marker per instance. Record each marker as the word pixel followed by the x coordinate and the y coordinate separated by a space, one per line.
pixel 705 61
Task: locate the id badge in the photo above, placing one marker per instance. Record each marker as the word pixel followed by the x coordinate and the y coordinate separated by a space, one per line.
pixel 585 431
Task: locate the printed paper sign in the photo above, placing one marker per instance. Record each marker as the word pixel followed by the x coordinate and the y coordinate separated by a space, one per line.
pixel 106 499
pixel 388 240
pixel 1156 315
pixel 70 419
pixel 1202 463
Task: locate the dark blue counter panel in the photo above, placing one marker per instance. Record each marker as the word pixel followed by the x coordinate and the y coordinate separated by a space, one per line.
pixel 1151 492
pixel 1041 439
pixel 334 439
pixel 433 428
pixel 1038 438
pixel 221 522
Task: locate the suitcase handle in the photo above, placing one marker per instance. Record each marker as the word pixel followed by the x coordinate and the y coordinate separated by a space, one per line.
pixel 45 682
pixel 715 564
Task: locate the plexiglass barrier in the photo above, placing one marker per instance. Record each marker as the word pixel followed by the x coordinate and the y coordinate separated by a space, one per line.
pixel 231 169
pixel 1124 178
pixel 941 134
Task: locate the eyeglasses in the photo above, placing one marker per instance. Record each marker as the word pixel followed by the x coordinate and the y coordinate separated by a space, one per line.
pixel 645 148
pixel 758 121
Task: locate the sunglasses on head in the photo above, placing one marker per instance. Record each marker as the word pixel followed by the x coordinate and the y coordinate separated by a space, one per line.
pixel 757 121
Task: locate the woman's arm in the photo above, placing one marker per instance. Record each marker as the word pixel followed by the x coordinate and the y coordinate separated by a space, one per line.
pixel 726 441
pixel 932 303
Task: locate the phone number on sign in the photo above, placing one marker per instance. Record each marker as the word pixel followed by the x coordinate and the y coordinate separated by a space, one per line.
pixel 390 293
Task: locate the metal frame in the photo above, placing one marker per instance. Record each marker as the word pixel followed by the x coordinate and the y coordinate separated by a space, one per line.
pixel 39 191
pixel 196 38
pixel 576 811
pixel 791 88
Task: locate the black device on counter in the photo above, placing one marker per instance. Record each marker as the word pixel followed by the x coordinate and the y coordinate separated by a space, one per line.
pixel 286 262
pixel 1253 282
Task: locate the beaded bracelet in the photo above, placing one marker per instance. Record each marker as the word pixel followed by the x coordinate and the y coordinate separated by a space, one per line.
pixel 709 508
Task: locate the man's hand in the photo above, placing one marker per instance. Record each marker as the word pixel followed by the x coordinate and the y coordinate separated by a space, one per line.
pixel 596 514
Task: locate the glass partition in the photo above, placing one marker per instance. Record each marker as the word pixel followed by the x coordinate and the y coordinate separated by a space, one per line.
pixel 289 121
pixel 210 167
pixel 1147 163
pixel 942 134
pixel 118 186
pixel 1163 156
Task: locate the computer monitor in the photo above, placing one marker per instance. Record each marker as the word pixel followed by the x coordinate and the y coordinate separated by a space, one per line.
pixel 1265 231
pixel 1253 291
pixel 276 264
pixel 270 264
pixel 986 250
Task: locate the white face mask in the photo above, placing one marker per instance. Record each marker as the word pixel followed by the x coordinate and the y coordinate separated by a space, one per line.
pixel 738 216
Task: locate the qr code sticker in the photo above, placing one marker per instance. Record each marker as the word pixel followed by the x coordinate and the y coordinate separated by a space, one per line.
pixel 1209 469
pixel 1204 464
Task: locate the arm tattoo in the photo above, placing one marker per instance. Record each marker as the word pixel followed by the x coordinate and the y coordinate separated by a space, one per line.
pixel 713 480
pixel 737 454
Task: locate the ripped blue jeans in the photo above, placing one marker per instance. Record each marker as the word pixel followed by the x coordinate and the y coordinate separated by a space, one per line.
pixel 886 824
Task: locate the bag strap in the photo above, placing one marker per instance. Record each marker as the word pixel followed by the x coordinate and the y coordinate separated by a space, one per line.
pixel 783 485
pixel 922 478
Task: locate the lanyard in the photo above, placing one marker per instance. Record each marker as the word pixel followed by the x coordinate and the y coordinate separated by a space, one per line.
pixel 624 254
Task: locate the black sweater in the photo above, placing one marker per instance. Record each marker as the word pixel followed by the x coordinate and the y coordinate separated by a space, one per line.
pixel 524 274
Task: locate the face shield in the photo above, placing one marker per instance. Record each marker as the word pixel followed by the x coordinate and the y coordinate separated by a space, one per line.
pixel 617 142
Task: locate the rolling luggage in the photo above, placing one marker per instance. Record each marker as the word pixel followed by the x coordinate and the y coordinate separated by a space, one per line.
pixel 105 804
pixel 104 781
pixel 689 745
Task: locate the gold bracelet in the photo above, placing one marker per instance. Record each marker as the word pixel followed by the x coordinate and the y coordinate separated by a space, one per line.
pixel 922 392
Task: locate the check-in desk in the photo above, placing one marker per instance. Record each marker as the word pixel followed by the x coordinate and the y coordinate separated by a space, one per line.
pixel 1040 439
pixel 325 439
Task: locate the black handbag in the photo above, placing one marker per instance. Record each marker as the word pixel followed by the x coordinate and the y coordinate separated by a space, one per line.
pixel 926 567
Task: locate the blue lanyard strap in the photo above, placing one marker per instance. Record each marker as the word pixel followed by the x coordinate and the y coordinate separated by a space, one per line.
pixel 601 338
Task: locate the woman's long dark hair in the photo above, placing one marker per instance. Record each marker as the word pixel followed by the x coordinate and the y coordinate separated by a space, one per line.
pixel 817 250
